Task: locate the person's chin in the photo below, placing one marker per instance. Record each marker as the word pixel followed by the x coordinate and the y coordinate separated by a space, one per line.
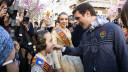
pixel 51 51
pixel 63 26
pixel 84 28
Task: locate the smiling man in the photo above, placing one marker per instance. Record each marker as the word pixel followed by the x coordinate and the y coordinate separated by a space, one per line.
pixel 103 45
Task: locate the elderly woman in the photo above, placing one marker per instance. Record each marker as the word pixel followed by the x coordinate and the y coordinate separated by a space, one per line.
pixel 62 36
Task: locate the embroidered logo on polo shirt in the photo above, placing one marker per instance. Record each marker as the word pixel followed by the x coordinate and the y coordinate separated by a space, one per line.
pixel 102 34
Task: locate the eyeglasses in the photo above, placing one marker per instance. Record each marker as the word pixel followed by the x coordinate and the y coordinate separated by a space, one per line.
pixel 13 60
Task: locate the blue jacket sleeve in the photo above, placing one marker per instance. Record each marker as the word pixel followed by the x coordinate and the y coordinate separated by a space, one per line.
pixel 77 51
pixel 121 50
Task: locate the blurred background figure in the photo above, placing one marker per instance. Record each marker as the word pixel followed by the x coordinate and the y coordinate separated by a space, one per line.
pixel 5 22
pixel 36 28
pixel 125 30
pixel 42 24
pixel 48 25
pixel 56 23
pixel 71 20
pixel 70 27
pixel 116 20
pixel 124 15
pixel 21 14
pixel 77 35
pixel 124 18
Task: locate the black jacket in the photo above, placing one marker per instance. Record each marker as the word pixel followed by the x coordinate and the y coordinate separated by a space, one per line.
pixel 24 38
pixel 77 35
pixel 49 29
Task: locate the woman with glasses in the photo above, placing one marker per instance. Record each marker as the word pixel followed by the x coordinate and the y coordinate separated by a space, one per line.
pixel 62 36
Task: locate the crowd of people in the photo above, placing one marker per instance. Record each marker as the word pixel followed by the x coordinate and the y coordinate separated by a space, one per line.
pixel 92 44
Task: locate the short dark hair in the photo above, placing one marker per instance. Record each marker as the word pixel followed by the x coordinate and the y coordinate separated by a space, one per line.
pixel 42 21
pixel 40 40
pixel 63 13
pixel 36 23
pixel 69 25
pixel 124 14
pixel 26 19
pixel 83 7
pixel 6 1
pixel 20 13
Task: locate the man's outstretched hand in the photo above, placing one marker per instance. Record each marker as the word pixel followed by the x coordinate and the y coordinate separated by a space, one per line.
pixel 57 47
